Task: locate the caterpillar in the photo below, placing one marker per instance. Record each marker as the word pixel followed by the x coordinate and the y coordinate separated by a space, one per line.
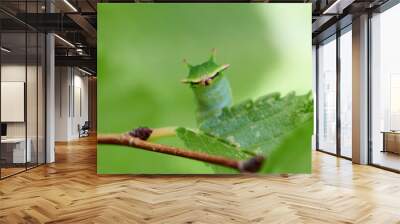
pixel 211 88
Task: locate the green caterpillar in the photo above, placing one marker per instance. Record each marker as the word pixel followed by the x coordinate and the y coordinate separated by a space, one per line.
pixel 210 87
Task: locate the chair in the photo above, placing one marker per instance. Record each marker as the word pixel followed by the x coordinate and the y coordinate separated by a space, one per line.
pixel 84 130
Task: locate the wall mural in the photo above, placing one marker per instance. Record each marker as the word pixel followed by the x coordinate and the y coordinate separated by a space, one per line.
pixel 204 88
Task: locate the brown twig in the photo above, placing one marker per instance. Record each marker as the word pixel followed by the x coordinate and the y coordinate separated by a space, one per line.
pixel 251 165
pixel 162 132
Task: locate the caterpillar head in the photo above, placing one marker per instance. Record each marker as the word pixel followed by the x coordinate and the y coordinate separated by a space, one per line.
pixel 206 73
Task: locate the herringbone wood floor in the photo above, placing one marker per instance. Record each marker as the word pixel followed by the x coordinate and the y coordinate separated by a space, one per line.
pixel 69 191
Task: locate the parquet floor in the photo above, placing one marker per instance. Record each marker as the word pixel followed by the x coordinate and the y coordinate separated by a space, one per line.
pixel 10 171
pixel 69 191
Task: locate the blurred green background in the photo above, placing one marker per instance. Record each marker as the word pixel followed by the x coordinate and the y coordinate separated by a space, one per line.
pixel 140 53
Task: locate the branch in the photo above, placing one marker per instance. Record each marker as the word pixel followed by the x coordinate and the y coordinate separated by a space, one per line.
pixel 251 165
pixel 162 132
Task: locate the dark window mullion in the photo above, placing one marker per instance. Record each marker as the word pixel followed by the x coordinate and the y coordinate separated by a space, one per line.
pixel 338 73
pixel 37 90
pixel 317 97
pixel 26 87
pixel 369 90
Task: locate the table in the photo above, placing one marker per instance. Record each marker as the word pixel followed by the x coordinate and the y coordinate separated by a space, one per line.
pixel 391 141
pixel 13 150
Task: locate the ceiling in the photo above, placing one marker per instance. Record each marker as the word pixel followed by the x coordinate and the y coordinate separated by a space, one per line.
pixel 76 21
pixel 329 16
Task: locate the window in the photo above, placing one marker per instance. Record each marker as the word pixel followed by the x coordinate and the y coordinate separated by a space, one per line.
pixel 22 77
pixel 327 96
pixel 385 89
pixel 346 93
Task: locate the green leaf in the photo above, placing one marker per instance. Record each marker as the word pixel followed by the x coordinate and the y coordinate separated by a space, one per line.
pixel 277 127
pixel 197 141
pixel 290 156
pixel 260 125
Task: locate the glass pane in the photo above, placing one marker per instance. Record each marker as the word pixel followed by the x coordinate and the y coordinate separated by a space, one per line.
pixel 14 153
pixel 31 100
pixel 346 94
pixel 41 98
pixel 31 86
pixel 386 89
pixel 327 97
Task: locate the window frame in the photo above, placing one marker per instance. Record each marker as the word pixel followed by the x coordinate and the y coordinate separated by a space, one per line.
pixel 334 37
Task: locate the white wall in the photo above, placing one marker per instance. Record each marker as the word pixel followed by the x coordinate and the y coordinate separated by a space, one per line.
pixel 13 101
pixel 80 103
pixel 71 102
pixel 33 127
pixel 62 82
pixel 12 73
